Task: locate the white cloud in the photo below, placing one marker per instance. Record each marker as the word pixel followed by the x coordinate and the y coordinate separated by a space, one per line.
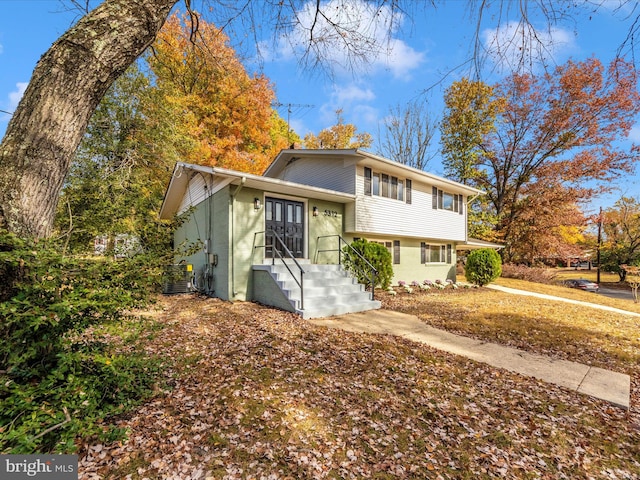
pixel 14 98
pixel 351 93
pixel 355 103
pixel 402 59
pixel 634 134
pixel 349 35
pixel 515 46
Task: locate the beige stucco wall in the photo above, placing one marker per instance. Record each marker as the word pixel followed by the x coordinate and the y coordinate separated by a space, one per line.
pixel 247 221
pixel 208 220
pixel 327 224
pixel 411 269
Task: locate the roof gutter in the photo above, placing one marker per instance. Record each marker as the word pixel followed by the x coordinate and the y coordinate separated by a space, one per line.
pixel 466 227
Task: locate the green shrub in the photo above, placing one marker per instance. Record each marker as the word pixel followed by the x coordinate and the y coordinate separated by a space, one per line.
pixel 56 380
pixel 483 266
pixel 376 254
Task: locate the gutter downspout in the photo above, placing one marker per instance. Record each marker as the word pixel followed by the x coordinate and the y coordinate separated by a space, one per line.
pixel 466 224
pixel 232 199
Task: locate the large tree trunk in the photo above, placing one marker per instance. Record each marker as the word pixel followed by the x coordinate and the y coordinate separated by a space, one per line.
pixel 66 86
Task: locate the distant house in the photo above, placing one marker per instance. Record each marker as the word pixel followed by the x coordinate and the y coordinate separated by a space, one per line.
pixel 312 202
pixel 121 244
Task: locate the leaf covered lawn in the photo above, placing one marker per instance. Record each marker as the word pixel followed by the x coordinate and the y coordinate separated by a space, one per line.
pixel 257 393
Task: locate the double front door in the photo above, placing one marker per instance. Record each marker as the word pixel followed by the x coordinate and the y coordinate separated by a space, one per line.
pixel 286 219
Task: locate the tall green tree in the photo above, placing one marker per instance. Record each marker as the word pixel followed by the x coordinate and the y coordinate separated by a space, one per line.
pixel 471 110
pixel 621 235
pixel 113 187
pixel 470 114
pixel 65 88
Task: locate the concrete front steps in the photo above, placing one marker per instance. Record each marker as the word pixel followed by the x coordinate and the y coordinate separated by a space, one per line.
pixel 328 290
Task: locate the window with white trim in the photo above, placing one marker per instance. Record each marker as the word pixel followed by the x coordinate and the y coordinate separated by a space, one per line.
pixel 433 253
pixel 388 186
pixel 442 200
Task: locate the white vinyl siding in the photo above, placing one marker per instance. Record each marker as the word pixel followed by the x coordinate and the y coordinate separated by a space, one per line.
pixel 197 191
pixel 386 216
pixel 330 173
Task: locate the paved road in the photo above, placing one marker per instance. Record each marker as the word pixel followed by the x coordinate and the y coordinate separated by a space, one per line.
pixel 624 294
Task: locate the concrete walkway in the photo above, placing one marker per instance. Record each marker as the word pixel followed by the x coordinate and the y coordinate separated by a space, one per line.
pixel 561 299
pixel 597 382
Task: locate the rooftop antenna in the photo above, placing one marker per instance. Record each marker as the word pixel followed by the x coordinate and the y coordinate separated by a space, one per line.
pixel 290 106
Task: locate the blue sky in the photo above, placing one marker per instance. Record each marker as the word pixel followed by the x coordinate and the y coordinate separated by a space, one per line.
pixel 423 52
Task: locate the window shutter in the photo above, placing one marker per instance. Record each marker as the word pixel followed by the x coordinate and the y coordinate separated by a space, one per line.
pixel 396 252
pixel 394 188
pixel 423 252
pixel 461 204
pixel 367 181
pixel 440 199
pixel 449 253
pixel 408 190
pixel 434 198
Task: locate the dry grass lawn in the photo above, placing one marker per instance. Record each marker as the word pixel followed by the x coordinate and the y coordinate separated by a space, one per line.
pixel 254 392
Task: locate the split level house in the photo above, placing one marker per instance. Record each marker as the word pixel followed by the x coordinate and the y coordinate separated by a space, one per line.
pixel 275 238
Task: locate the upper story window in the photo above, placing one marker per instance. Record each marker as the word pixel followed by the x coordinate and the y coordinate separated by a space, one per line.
pixel 442 200
pixel 384 185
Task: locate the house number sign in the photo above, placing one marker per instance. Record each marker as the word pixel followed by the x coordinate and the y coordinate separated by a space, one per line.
pixel 330 213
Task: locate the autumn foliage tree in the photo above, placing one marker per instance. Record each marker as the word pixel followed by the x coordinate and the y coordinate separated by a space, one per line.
pixel 621 235
pixel 340 135
pixel 212 111
pixel 548 224
pixel 556 135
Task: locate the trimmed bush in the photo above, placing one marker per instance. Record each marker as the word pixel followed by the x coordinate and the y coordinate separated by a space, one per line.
pixel 376 254
pixel 483 266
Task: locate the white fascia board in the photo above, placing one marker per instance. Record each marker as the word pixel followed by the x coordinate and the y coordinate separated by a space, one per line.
pixel 180 181
pixel 370 159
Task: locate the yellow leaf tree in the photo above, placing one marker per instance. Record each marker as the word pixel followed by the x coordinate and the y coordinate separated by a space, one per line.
pixel 340 135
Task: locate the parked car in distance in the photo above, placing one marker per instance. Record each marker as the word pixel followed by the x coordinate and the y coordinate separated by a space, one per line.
pixel 583 284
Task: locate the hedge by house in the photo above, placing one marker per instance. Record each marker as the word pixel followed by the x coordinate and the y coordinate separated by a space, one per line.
pixel 483 266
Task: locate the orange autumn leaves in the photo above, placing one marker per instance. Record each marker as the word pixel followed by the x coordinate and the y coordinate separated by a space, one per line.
pixel 212 111
pixel 541 146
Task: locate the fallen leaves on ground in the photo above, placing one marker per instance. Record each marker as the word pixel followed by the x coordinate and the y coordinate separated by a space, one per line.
pixel 260 393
